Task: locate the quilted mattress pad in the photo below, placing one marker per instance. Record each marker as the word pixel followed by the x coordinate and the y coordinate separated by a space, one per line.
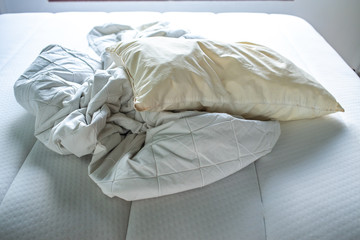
pixel 305 188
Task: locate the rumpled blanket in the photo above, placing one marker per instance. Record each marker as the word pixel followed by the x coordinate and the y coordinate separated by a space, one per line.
pixel 85 107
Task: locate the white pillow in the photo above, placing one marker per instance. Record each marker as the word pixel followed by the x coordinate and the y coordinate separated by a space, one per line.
pixel 236 78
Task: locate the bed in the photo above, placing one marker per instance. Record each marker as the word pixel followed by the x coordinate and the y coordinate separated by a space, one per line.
pixel 307 187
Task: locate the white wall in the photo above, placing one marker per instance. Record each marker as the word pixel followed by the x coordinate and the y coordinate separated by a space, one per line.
pixel 337 20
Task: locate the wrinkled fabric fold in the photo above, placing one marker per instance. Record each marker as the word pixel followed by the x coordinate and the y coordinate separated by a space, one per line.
pixel 82 108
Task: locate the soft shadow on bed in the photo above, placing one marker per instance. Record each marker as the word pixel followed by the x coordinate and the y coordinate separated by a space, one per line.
pixel 17 141
pixel 21 130
pixel 50 184
pixel 305 144
pixel 69 192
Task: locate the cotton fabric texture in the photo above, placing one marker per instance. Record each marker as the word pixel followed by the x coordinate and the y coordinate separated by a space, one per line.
pixel 81 109
pixel 237 78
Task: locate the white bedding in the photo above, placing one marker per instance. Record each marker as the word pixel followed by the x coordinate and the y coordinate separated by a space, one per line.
pixel 306 188
pixel 81 108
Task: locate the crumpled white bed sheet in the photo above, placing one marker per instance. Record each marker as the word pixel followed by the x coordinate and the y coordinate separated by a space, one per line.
pixel 83 106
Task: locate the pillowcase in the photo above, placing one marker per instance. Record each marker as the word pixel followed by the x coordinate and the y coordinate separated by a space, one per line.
pixel 236 78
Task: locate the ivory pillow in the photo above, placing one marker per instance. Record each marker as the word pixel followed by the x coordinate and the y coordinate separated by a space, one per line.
pixel 236 78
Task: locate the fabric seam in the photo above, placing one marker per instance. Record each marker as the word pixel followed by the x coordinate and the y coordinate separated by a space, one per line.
pixel 211 165
pixel 237 145
pixel 22 164
pixel 261 199
pixel 197 153
pixel 128 221
pixel 156 166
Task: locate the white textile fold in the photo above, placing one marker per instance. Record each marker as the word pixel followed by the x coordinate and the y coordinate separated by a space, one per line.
pixel 83 108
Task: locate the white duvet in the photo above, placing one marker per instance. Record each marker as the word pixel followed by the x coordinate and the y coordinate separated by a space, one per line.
pixel 84 106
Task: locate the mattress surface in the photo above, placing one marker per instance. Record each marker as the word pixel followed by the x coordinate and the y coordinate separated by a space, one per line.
pixel 306 188
pixel 228 209
pixel 52 198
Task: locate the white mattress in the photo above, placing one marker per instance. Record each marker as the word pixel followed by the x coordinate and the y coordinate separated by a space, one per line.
pixel 307 188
